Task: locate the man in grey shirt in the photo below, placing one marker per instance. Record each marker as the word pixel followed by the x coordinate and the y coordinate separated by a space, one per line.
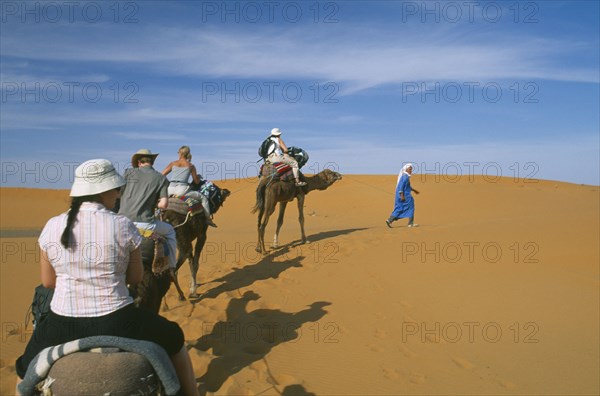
pixel 146 189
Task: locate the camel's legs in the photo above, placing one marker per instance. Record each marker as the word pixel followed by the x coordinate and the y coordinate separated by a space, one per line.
pixel 301 216
pixel 195 261
pixel 176 283
pixel 269 209
pixel 182 255
pixel 260 243
pixel 282 206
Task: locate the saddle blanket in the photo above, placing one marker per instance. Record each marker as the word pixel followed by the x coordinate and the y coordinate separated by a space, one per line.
pixel 185 204
pixel 278 171
pixel 158 358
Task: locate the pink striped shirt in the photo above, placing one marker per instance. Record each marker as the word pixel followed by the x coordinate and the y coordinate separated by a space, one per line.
pixel 90 277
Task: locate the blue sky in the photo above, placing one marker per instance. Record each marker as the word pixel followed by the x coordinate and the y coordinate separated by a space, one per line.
pixel 496 88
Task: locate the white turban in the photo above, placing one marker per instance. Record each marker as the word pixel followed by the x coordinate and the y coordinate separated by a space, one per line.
pixel 403 171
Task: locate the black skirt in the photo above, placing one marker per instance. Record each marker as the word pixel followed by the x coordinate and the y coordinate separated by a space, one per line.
pixel 128 322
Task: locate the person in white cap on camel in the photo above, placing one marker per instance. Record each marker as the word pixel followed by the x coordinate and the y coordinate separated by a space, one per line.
pixel 278 152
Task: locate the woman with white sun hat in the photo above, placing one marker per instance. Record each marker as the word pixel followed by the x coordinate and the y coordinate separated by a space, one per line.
pixel 88 255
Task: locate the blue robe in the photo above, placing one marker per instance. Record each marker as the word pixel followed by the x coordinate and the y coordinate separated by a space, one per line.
pixel 407 208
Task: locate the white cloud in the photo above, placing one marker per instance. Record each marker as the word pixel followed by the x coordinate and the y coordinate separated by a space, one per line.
pixel 174 60
pixel 169 136
pixel 359 57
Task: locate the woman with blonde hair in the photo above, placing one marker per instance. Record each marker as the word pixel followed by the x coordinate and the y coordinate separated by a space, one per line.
pixel 181 170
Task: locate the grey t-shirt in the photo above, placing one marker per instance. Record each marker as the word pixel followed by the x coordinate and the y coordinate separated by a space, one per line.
pixel 139 196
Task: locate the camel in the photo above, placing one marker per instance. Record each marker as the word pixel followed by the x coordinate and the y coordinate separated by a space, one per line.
pixel 101 365
pixel 188 229
pixel 153 287
pixel 270 192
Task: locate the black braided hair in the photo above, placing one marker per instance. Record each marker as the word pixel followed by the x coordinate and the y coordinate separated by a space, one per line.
pixel 76 202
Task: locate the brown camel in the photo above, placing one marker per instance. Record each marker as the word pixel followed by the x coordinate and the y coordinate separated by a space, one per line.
pixel 188 229
pixel 270 192
pixel 153 287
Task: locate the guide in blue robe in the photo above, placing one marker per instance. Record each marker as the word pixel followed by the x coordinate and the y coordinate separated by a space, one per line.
pixel 404 208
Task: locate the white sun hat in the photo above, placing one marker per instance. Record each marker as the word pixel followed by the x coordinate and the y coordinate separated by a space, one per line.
pixel 94 177
pixel 276 132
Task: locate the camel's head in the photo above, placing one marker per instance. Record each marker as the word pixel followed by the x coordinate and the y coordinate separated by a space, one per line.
pixel 330 176
pixel 322 180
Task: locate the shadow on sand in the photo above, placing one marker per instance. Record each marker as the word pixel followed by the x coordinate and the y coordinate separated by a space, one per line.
pixel 326 235
pixel 266 268
pixel 246 337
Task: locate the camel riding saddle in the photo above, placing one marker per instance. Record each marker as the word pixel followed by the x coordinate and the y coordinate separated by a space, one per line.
pixel 185 205
pixel 101 365
pixel 277 171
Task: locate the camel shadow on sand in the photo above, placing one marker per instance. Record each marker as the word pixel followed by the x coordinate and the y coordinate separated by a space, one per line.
pixel 326 235
pixel 270 266
pixel 265 268
pixel 248 336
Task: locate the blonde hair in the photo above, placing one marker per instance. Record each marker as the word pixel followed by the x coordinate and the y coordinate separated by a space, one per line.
pixel 185 152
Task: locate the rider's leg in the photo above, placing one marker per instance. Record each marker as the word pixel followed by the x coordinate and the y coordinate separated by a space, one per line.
pixel 185 372
pixel 205 205
pixel 167 230
pixel 294 164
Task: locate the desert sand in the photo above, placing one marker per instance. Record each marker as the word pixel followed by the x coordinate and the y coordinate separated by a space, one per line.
pixel 497 291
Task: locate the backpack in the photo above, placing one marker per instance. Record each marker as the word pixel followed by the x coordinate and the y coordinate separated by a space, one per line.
pixel 264 149
pixel 40 306
pixel 213 193
pixel 299 155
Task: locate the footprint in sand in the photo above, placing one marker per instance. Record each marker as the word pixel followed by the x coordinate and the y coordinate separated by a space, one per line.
pixel 270 282
pixel 201 360
pixel 380 316
pixel 343 330
pixel 188 310
pixel 407 352
pixel 260 368
pixel 391 374
pixel 380 334
pixel 237 389
pixel 409 319
pixel 435 338
pixel 290 281
pixel 463 363
pixel 281 381
pixel 417 378
pixel 507 384
pixel 405 304
pixel 376 348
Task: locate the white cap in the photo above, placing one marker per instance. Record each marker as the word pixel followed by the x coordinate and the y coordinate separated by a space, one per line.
pixel 276 132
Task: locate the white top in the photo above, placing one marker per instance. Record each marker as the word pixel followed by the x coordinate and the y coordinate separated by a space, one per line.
pixel 90 277
pixel 277 151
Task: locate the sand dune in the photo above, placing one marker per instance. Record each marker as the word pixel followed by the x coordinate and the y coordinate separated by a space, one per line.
pixel 497 291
